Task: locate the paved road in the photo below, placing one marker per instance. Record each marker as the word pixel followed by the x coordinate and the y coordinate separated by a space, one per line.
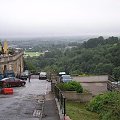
pixel 24 102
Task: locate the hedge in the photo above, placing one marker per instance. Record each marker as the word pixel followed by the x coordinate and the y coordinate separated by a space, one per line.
pixel 107 105
pixel 71 86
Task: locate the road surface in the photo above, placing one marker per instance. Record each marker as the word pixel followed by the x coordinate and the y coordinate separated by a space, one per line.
pixel 24 104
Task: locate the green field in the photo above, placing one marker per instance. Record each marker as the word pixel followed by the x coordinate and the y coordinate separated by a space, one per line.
pixel 32 54
pixel 77 111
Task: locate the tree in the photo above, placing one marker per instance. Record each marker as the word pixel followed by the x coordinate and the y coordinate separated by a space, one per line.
pixel 116 73
pixel 107 105
pixel 102 68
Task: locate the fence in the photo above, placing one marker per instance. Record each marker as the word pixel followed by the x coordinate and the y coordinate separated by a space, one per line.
pixel 112 84
pixel 61 100
pixel 112 79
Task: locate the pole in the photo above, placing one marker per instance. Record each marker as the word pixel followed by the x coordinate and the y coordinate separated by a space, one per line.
pixel 64 109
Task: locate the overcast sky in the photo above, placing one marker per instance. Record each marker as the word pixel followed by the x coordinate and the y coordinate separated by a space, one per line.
pixel 59 17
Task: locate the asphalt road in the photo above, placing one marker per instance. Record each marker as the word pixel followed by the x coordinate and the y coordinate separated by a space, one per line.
pixel 24 102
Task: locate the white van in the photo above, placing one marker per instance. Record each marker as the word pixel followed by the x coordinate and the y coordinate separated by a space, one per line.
pixel 42 75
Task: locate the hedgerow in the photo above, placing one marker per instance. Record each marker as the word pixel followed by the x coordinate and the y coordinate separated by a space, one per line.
pixel 71 86
pixel 107 105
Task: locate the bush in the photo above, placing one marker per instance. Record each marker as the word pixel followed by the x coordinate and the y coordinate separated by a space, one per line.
pixel 108 105
pixel 71 86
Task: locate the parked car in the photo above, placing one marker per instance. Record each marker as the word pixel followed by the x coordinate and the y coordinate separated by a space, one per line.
pixel 9 73
pixel 65 78
pixel 27 72
pixel 11 82
pixel 23 76
pixel 43 75
pixel 1 76
pixel 116 84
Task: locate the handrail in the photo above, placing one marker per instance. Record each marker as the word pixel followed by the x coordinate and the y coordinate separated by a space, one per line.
pixel 110 84
pixel 61 100
pixel 111 78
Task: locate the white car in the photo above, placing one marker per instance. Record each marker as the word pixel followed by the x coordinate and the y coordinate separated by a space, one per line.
pixel 65 78
pixel 43 75
pixel 116 83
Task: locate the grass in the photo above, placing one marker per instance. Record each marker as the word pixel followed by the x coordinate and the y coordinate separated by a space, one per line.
pixel 32 54
pixel 77 111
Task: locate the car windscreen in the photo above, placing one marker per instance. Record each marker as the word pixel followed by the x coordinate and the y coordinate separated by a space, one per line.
pixel 66 77
pixel 12 79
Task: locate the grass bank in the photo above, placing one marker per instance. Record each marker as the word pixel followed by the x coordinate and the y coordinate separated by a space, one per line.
pixel 77 111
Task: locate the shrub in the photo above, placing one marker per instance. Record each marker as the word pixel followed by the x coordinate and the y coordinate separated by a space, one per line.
pixel 71 86
pixel 108 105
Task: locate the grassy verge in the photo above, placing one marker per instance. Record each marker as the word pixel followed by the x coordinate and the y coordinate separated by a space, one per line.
pixel 32 54
pixel 77 111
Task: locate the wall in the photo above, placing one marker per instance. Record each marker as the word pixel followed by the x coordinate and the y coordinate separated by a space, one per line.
pixel 95 84
pixel 14 63
pixel 81 97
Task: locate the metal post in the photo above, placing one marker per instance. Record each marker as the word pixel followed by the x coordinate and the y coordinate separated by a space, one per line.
pixel 64 109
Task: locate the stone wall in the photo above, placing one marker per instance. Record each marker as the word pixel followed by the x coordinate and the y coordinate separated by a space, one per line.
pixel 95 84
pixel 81 97
pixel 14 62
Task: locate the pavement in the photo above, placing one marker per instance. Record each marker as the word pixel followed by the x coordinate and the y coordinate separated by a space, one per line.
pixel 50 111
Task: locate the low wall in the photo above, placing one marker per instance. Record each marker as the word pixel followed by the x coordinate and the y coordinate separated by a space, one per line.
pixel 73 95
pixel 95 84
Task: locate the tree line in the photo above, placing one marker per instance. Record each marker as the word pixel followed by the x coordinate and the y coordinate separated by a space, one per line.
pixel 97 56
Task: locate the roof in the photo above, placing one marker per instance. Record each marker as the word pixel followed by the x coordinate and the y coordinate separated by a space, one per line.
pixel 91 79
pixel 62 73
pixel 43 73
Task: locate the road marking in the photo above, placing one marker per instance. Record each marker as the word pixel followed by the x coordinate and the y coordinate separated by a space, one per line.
pixel 37 113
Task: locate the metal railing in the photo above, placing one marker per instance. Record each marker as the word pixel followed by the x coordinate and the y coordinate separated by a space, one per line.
pixel 111 78
pixel 112 84
pixel 61 100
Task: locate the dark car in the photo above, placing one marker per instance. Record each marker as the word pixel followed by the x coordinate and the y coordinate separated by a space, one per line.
pixel 1 76
pixel 9 73
pixel 23 76
pixel 11 82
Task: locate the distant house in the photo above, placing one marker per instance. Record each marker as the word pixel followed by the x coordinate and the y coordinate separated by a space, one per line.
pixel 70 47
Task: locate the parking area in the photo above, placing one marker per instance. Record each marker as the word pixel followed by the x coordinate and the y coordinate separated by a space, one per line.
pixel 24 103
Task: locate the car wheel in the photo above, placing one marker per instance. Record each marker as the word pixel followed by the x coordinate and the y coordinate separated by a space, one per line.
pixel 7 85
pixel 23 84
pixel 10 85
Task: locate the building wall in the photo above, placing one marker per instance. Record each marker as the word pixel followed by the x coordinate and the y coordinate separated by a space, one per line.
pixel 14 63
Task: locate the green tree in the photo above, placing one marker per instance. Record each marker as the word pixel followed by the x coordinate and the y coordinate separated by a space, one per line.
pixel 102 68
pixel 116 73
pixel 107 105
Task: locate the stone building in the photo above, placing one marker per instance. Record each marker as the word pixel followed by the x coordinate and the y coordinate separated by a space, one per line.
pixel 12 62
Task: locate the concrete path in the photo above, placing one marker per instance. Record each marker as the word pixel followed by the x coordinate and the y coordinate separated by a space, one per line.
pixel 50 109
